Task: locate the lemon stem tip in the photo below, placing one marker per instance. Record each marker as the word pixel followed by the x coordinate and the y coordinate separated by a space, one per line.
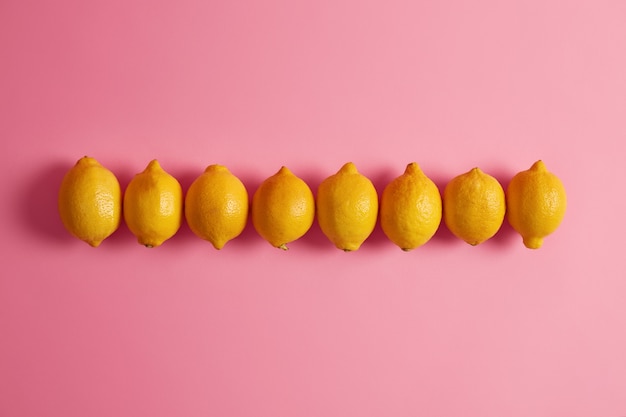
pixel 215 168
pixel 154 164
pixel 533 242
pixel 284 170
pixel 539 166
pixel 412 168
pixel 349 168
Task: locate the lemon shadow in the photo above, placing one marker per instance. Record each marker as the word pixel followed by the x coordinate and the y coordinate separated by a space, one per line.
pixel 314 238
pixel 37 209
pixel 185 235
pixel 506 235
pixel 443 236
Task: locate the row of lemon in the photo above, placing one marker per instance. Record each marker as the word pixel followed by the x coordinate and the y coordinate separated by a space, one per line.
pixel 216 207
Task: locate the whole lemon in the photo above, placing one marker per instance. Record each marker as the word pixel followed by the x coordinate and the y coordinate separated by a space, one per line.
pixel 347 208
pixel 153 205
pixel 283 208
pixel 216 206
pixel 536 204
pixel 410 208
pixel 474 206
pixel 90 201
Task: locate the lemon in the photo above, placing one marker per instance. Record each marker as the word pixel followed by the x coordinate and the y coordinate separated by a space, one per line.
pixel 283 208
pixel 216 206
pixel 90 201
pixel 536 204
pixel 474 206
pixel 410 208
pixel 153 205
pixel 347 207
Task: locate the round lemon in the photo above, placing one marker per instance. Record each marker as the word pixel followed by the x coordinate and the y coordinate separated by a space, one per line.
pixel 153 205
pixel 536 204
pixel 283 208
pixel 347 208
pixel 474 206
pixel 410 209
pixel 90 201
pixel 216 206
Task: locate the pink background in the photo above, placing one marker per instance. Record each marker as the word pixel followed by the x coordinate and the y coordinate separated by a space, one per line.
pixel 184 330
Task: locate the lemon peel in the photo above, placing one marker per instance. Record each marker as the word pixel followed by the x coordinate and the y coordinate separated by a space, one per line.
pixel 90 201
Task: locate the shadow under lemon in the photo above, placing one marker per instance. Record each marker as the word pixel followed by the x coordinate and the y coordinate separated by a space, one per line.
pixel 37 208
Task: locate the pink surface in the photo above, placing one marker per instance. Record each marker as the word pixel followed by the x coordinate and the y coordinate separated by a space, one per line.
pixel 184 330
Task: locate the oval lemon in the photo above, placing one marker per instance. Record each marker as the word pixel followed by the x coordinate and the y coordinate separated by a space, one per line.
pixel 410 209
pixel 153 205
pixel 347 208
pixel 216 206
pixel 283 208
pixel 474 206
pixel 536 204
pixel 90 201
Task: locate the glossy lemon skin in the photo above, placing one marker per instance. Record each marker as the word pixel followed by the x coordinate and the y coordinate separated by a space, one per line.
pixel 347 208
pixel 283 208
pixel 410 209
pixel 217 206
pixel 474 205
pixel 536 204
pixel 90 201
pixel 153 205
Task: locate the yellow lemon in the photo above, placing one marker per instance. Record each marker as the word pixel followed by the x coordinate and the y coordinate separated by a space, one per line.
pixel 283 208
pixel 90 201
pixel 347 208
pixel 474 206
pixel 410 208
pixel 153 205
pixel 216 206
pixel 536 204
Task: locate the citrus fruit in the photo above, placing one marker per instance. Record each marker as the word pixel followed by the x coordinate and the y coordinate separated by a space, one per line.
pixel 347 207
pixel 410 208
pixel 536 204
pixel 473 206
pixel 90 201
pixel 283 208
pixel 153 205
pixel 216 206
